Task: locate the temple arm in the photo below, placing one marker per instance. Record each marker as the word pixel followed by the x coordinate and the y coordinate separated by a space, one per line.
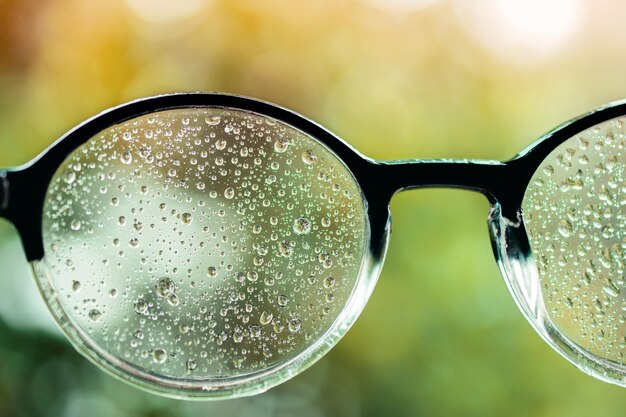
pixel 4 192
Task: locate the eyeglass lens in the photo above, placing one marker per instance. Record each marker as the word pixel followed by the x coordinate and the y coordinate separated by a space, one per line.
pixel 574 215
pixel 201 243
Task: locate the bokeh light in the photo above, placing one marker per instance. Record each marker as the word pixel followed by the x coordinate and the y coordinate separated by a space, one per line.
pixel 401 5
pixel 157 11
pixel 522 32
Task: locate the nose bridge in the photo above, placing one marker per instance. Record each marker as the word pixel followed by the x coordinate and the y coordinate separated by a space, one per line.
pixel 490 178
pixel 500 182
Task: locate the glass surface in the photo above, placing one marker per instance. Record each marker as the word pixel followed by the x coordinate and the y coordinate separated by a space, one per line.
pixel 574 214
pixel 193 247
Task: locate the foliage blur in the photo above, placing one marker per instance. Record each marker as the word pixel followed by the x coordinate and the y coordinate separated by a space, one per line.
pixel 397 79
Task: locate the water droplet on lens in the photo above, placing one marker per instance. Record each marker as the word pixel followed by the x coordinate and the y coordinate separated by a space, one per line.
pixel 278 327
pixel 70 177
pixel 255 331
pixel 212 272
pixel 253 276
pixel 309 157
pixel 191 365
pixel 165 287
pixel 237 337
pixel 173 300
pixel 229 193
pixel 548 170
pixel 186 218
pixel 302 226
pixel 95 315
pixel 281 145
pixel 220 144
pixel 565 228
pixel 285 248
pixel 329 282
pixel 141 307
pixel 76 286
pixel 126 158
pixel 267 352
pixel 283 300
pixel 159 356
pixel 240 277
pixel 266 318
pixel 294 325
pixel 75 225
pixel 213 120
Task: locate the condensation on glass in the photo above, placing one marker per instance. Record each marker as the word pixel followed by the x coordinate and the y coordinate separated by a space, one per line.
pixel 201 244
pixel 574 211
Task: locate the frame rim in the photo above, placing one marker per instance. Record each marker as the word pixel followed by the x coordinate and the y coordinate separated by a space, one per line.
pixel 28 221
pixel 513 252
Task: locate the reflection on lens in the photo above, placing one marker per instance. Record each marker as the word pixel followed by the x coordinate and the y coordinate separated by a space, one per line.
pixel 192 247
pixel 574 214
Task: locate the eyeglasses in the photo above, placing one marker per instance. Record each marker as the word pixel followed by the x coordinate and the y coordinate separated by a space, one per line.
pixel 213 246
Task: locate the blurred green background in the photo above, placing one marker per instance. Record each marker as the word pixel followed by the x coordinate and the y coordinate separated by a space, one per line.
pixel 397 79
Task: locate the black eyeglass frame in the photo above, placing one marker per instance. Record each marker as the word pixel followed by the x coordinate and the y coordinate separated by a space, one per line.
pixel 23 190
